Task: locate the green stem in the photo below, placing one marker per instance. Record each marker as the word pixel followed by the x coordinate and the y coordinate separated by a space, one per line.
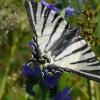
pixel 97 89
pixel 89 89
pixel 3 84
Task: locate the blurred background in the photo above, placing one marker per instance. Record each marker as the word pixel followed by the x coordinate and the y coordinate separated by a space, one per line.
pixel 15 34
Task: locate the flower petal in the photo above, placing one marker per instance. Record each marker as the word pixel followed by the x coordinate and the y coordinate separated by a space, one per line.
pixel 27 71
pixel 51 81
pixel 37 70
pixel 31 73
pixel 69 11
pixel 51 6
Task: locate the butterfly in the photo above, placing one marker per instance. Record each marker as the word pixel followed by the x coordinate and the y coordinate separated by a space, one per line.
pixel 56 43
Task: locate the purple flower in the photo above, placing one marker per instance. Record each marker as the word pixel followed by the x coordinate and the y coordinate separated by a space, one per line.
pixel 33 75
pixel 69 11
pixel 63 95
pixel 51 6
pixel 51 78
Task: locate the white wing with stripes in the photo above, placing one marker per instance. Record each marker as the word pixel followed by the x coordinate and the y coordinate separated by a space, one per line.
pixel 61 43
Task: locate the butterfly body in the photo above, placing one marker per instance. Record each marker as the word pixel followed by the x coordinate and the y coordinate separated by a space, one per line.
pixel 56 43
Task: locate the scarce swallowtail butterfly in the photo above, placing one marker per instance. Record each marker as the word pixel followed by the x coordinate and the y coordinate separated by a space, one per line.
pixel 55 41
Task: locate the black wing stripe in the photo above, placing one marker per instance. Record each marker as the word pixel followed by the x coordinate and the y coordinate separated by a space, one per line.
pixel 97 64
pixel 88 51
pixel 42 9
pixel 60 48
pixel 65 29
pixel 55 47
pixel 88 75
pixel 96 72
pixel 85 60
pixel 64 41
pixel 80 49
pixel 29 14
pixel 61 31
pixel 55 16
pixel 46 15
pixel 34 6
pixel 55 28
pixel 73 52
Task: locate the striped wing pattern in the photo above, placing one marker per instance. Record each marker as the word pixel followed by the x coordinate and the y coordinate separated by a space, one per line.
pixel 61 43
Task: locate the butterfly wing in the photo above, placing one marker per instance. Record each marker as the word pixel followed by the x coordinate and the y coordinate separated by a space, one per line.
pixel 44 22
pixel 79 58
pixel 61 43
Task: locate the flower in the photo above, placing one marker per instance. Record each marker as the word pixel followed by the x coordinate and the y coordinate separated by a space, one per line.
pixel 51 76
pixel 69 11
pixel 33 75
pixel 63 95
pixel 51 6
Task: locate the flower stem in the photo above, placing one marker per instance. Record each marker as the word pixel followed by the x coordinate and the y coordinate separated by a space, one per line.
pixel 89 89
pixel 3 84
